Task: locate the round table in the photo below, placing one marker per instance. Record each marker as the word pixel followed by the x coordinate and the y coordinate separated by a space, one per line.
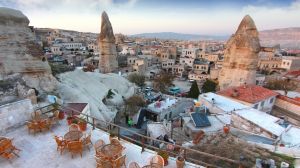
pixel 73 135
pixel 110 151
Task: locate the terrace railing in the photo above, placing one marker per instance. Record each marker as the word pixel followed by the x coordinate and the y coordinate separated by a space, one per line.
pixel 143 141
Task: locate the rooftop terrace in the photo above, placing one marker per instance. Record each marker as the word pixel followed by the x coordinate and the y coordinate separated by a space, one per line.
pixel 39 151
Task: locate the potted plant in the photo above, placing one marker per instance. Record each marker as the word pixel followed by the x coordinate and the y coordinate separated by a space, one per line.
pixel 164 155
pixel 82 123
pixel 180 161
pixel 61 114
pixel 226 129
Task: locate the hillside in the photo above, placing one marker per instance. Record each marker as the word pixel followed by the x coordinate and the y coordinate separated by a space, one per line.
pixel 179 36
pixel 286 37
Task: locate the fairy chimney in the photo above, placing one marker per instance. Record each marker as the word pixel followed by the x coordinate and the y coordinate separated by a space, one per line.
pixel 241 56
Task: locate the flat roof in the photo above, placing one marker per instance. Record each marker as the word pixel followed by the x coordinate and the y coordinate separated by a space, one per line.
pixel 262 119
pixel 222 102
pixel 165 104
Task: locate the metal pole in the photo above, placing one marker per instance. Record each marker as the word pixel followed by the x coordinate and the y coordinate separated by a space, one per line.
pixel 93 123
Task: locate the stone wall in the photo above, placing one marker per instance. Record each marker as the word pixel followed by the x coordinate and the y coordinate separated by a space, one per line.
pixel 13 115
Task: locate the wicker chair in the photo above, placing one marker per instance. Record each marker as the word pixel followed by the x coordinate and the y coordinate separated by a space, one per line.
pixel 98 145
pixel 73 127
pixel 61 143
pixel 55 118
pixel 87 141
pixel 115 142
pixel 8 150
pixel 32 127
pixel 133 165
pixel 75 147
pixel 45 124
pixel 103 163
pixel 120 162
pixel 158 161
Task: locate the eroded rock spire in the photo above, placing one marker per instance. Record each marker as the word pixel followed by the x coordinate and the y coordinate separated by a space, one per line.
pixel 108 54
pixel 241 56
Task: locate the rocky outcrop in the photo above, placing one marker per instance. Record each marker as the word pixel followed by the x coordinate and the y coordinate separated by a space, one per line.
pixel 108 54
pixel 285 37
pixel 240 56
pixel 19 53
pixel 73 87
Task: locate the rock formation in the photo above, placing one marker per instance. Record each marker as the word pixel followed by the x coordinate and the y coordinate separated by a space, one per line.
pixel 108 54
pixel 74 88
pixel 19 54
pixel 241 56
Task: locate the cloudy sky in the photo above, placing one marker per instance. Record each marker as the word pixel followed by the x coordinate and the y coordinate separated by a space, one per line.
pixel 213 17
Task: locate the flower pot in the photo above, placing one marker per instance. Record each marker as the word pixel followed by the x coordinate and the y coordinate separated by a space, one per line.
pixel 180 162
pixel 69 120
pixel 226 129
pixel 61 115
pixel 166 162
pixel 82 126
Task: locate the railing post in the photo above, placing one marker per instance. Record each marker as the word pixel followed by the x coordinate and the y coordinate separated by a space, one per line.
pixel 118 133
pixel 143 145
pixel 87 118
pixel 171 129
pixel 93 123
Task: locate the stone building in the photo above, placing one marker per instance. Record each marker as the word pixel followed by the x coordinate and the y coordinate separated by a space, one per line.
pixel 241 56
pixel 108 54
pixel 254 96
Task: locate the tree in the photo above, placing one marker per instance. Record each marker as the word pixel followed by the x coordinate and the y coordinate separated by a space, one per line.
pixel 137 78
pixel 209 86
pixel 133 104
pixel 281 84
pixel 163 81
pixel 194 91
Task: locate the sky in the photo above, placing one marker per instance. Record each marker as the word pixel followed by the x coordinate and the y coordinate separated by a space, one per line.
pixel 206 17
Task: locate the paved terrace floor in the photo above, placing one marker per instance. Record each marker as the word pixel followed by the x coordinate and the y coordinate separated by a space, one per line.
pixel 39 151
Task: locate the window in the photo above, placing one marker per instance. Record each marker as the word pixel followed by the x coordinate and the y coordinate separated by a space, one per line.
pixel 262 104
pixel 271 100
pixel 256 106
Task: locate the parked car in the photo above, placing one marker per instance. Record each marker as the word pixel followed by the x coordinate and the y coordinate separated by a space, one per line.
pixel 148 89
pixel 174 90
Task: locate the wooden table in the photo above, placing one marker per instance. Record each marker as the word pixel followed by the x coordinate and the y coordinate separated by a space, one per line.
pixel 73 136
pixel 110 151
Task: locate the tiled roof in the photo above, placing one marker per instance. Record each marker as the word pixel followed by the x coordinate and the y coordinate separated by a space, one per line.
pixel 293 73
pixel 248 93
pixel 75 107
